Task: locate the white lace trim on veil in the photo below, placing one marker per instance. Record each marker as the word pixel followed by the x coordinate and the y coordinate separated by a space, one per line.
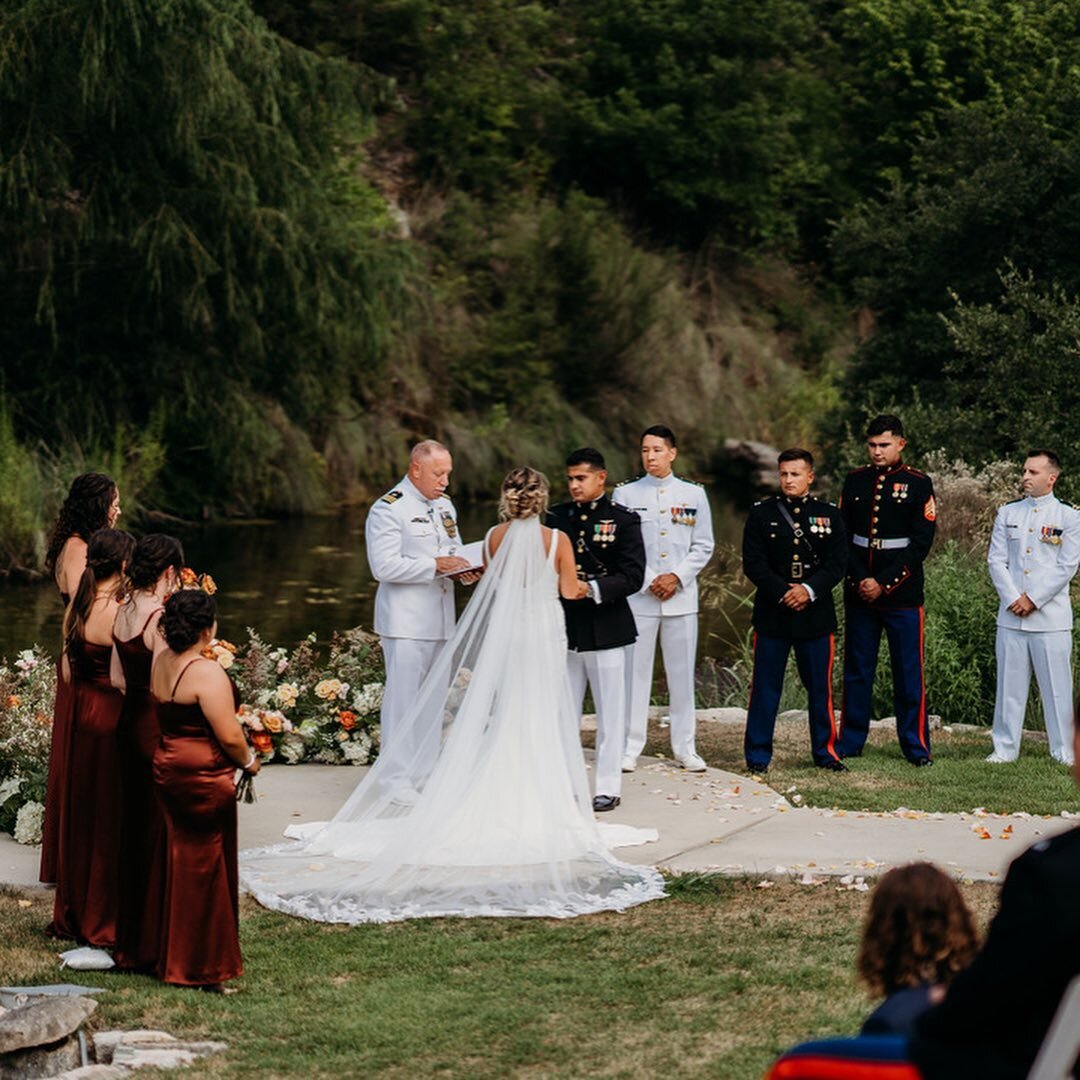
pixel 482 807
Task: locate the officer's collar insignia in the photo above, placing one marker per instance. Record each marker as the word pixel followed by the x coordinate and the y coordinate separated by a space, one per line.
pixel 392 496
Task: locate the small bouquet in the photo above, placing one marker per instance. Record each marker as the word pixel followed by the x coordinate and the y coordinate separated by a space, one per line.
pixel 190 580
pixel 245 787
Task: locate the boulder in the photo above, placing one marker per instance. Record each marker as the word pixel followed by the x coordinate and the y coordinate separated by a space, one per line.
pixel 43 1022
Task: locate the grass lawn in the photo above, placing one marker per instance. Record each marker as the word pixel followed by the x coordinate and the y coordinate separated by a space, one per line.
pixel 711 982
pixel 882 780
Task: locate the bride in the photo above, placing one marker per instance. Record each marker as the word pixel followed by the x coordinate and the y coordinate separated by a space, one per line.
pixel 498 820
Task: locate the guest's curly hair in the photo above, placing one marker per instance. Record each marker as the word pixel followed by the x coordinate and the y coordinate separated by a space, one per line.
pixel 524 494
pixel 187 614
pixel 85 510
pixel 918 930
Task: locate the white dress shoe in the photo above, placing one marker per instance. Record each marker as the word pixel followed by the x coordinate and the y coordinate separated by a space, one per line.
pixel 629 763
pixel 996 759
pixel 692 762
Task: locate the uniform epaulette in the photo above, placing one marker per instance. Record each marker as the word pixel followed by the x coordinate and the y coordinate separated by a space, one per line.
pixel 392 496
pixel 623 483
pixel 696 483
pixel 1075 506
pixel 915 472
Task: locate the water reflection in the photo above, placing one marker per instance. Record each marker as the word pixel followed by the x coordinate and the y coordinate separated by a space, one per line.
pixel 289 578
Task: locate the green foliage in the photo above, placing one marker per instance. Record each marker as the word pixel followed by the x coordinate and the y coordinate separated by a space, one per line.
pixel 195 235
pixel 993 195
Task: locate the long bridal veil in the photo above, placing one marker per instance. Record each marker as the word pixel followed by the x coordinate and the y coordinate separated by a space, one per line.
pixel 481 806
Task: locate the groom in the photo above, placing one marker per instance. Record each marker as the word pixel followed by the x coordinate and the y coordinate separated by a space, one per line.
pixel 600 629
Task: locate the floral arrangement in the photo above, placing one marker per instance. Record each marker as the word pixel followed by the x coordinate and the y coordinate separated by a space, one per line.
pixel 300 706
pixel 27 689
pixel 189 579
pixel 308 704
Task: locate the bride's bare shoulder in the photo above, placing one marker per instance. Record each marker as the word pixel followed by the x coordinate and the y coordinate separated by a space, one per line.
pixel 495 536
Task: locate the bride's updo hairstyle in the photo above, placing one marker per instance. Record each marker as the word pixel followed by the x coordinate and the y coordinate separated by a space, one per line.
pixel 153 555
pixel 187 614
pixel 524 494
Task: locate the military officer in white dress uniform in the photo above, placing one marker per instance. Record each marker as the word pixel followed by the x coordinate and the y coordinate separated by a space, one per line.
pixel 1034 552
pixel 676 525
pixel 412 540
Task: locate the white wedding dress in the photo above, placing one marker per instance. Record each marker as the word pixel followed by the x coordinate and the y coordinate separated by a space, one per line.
pixel 485 808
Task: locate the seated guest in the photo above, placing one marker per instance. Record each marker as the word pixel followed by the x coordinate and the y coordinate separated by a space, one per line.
pixel 88 867
pixel 918 935
pixel 202 746
pixel 997 1012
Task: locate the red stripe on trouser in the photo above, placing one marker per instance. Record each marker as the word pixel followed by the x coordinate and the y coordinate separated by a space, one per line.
pixel 922 680
pixel 828 1068
pixel 829 701
pixel 753 671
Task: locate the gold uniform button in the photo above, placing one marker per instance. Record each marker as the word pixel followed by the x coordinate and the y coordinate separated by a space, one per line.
pixel 663 532
pixel 1029 551
pixel 796 540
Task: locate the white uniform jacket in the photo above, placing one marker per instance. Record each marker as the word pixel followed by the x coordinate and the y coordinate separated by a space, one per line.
pixel 1035 549
pixel 405 533
pixel 676 526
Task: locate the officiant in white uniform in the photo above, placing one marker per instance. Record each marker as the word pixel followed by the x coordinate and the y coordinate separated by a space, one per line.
pixel 1034 553
pixel 412 543
pixel 676 525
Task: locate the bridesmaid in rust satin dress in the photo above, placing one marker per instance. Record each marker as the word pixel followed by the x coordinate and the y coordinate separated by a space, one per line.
pixel 202 746
pixel 92 503
pixel 87 870
pixel 152 574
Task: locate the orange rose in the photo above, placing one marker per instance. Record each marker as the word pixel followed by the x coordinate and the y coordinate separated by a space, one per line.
pixel 272 721
pixel 14 701
pixel 262 742
pixel 209 586
pixel 347 719
pixel 188 578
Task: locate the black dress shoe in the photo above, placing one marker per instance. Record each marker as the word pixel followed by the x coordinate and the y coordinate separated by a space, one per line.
pixel 757 774
pixel 921 762
pixel 601 803
pixel 832 765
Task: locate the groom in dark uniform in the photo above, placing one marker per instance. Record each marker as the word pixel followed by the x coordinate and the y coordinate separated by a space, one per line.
pixel 610 557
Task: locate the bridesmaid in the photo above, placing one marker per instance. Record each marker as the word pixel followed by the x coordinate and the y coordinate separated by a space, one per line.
pixel 202 746
pixel 87 871
pixel 153 573
pixel 92 503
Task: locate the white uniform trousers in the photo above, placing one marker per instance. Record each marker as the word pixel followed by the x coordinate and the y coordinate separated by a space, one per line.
pixel 408 660
pixel 606 673
pixel 678 647
pixel 1050 653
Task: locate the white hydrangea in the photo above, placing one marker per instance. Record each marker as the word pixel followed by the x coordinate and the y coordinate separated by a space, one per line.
pixel 291 749
pixel 28 823
pixel 357 750
pixel 368 699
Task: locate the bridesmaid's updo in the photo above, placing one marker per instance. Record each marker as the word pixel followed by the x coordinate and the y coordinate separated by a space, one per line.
pixel 187 614
pixel 524 494
pixel 153 555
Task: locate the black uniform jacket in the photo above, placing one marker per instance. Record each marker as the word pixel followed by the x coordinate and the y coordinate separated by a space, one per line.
pixel 609 550
pixel 774 559
pixel 888 504
pixel 996 1013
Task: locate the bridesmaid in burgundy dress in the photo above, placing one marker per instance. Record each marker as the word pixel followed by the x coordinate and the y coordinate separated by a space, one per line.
pixel 87 870
pixel 153 573
pixel 92 503
pixel 202 746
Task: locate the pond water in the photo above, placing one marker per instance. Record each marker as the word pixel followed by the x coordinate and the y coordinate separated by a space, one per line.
pixel 291 577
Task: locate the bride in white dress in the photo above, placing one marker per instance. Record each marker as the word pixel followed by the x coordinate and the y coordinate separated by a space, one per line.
pixel 497 819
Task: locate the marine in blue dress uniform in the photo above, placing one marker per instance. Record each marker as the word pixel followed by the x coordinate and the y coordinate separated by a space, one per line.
pixel 600 630
pixel 890 516
pixel 795 552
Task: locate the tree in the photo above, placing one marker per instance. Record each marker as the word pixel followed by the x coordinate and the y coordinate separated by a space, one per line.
pixel 184 233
